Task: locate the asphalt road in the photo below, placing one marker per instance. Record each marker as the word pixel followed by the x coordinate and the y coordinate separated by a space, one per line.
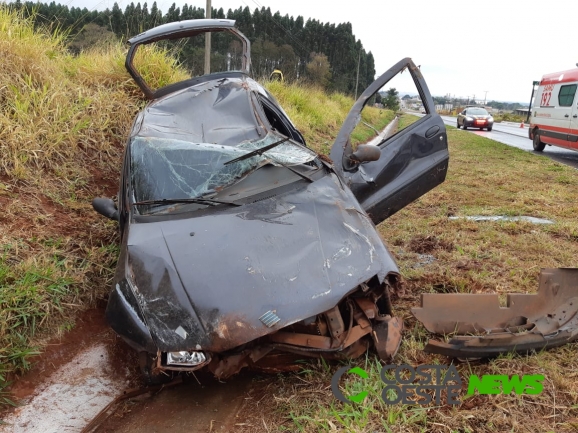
pixel 513 135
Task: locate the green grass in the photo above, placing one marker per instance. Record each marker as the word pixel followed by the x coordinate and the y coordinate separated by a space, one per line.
pixel 377 119
pixel 32 290
pixel 407 119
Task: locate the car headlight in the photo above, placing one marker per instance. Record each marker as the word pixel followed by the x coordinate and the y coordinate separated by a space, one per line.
pixel 469 119
pixel 185 358
pixel 490 119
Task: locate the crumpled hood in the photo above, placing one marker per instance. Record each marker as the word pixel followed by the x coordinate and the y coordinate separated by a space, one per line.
pixel 205 282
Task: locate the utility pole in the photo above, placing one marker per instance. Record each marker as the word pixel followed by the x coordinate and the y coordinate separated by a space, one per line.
pixel 208 41
pixel 357 79
pixel 485 96
pixel 534 84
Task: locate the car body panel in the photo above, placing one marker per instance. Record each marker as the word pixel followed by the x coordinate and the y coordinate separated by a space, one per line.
pixel 278 257
pixel 231 119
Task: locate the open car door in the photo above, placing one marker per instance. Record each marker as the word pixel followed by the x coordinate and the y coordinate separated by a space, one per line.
pixel 407 163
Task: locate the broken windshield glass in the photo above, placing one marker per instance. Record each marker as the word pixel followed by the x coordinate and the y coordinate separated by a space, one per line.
pixel 174 169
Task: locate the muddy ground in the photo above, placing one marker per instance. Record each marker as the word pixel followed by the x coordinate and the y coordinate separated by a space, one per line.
pixel 67 388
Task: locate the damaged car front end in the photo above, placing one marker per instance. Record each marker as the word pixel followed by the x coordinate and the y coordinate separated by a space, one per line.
pixel 240 246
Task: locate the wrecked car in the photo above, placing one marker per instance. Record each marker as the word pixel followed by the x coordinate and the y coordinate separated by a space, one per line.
pixel 238 242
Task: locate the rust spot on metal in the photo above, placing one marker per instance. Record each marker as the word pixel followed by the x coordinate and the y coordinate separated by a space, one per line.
pixel 307 340
pixel 367 307
pixel 387 337
pixel 335 322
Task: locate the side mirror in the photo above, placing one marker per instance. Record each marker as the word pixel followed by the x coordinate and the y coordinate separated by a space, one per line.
pixel 105 207
pixel 365 153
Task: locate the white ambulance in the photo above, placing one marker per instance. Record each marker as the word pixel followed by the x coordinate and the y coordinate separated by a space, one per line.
pixel 554 116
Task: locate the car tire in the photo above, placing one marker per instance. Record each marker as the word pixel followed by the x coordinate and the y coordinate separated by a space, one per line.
pixel 464 125
pixel 489 129
pixel 151 377
pixel 537 143
pixel 458 124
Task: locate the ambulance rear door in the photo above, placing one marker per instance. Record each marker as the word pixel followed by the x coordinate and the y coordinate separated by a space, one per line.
pixel 573 133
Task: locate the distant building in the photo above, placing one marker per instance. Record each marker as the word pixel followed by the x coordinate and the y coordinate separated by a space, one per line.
pixel 521 111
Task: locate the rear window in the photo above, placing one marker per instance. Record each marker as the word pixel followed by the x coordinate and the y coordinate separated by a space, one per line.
pixel 566 95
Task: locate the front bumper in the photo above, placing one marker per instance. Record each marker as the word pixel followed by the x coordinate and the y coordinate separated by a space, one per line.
pixel 478 123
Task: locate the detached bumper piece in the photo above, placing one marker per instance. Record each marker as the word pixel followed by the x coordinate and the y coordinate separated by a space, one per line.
pixel 481 328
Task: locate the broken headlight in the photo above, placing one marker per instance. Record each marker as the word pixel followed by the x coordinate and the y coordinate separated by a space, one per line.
pixel 186 359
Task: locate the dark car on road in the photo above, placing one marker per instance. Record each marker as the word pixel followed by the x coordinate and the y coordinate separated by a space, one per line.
pixel 238 242
pixel 475 117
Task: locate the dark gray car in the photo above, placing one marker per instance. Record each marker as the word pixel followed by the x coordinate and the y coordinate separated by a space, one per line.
pixel 238 242
pixel 475 117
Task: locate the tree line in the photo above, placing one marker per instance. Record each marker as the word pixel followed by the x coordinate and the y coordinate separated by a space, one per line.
pixel 327 54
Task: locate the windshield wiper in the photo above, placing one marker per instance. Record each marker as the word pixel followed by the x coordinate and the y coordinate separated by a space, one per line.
pixel 259 151
pixel 207 201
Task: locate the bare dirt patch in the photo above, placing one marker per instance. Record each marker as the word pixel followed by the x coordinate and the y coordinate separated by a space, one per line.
pixel 201 404
pixel 428 244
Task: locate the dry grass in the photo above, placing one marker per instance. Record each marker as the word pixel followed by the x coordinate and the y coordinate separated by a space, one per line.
pixel 436 254
pixel 63 122
pixel 319 116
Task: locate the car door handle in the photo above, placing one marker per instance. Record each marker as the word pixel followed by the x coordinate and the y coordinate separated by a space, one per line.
pixel 432 131
pixel 575 116
pixel 566 115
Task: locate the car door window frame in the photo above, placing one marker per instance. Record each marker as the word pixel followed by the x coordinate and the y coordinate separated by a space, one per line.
pixel 342 148
pixel 179 30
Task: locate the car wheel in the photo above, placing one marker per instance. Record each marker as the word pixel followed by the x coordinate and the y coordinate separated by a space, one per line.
pixel 147 367
pixel 464 125
pixel 489 129
pixel 538 145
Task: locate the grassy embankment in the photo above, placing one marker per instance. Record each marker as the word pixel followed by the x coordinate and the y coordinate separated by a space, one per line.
pixel 63 122
pixel 319 115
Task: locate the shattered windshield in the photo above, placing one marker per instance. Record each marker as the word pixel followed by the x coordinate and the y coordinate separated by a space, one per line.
pixel 163 168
